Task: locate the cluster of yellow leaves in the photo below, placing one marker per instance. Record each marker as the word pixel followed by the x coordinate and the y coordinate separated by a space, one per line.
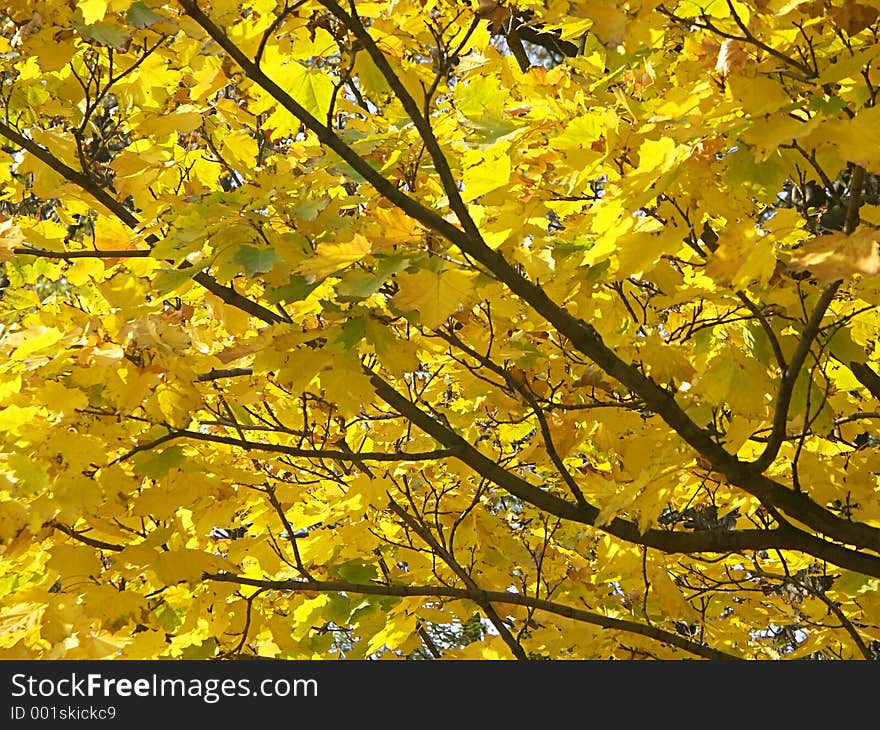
pixel 152 432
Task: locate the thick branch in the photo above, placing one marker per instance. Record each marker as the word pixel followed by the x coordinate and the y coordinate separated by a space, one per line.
pixel 808 336
pixel 326 136
pixel 96 254
pixel 215 374
pixel 421 122
pixel 866 376
pixel 855 193
pixel 669 542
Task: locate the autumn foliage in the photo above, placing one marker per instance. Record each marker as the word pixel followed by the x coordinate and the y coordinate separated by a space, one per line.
pixel 439 329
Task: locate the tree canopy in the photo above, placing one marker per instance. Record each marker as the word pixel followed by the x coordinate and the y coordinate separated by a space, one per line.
pixel 439 329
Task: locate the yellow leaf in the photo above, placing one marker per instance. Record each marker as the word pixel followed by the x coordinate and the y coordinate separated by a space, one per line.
pixel 397 355
pixel 38 339
pixel 11 236
pixel 848 136
pixel 838 256
pixel 147 644
pixel 13 519
pixel 347 385
pixel 622 499
pixel 668 596
pixel 178 121
pixel 19 621
pixel 84 269
pixel 743 257
pixel 47 234
pixel 93 11
pixel 735 379
pixel 177 403
pixel 434 296
pixel 640 251
pixel 396 631
pixel 757 96
pixel 75 561
pixel 364 492
pixel 62 400
pixel 488 170
pixel 395 226
pixel 306 614
pixel 187 565
pixel 301 368
pixel 14 417
pixel 332 257
pixel 309 87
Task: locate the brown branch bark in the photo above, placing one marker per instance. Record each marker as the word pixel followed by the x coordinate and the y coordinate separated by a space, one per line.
pixel 808 337
pixel 784 537
pixel 225 373
pixel 421 122
pixel 84 539
pixel 96 254
pixel 867 377
pixel 790 376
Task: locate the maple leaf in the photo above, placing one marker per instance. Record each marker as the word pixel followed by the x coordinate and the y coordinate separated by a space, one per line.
pixel 838 256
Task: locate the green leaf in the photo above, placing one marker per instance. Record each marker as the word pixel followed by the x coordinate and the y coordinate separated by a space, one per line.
pixel 105 35
pixel 351 332
pixel 843 348
pixel 157 464
pixel 169 619
pixel 597 271
pixel 357 284
pixel 295 291
pixel 355 571
pixel 763 179
pixel 314 92
pixel 140 16
pixel 757 342
pixel 205 650
pixel 255 260
pixel 170 280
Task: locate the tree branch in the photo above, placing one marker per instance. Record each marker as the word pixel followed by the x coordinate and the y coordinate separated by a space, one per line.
pixel 352 456
pixel 84 539
pixel 97 254
pixel 808 336
pixel 447 557
pixel 790 376
pixel 669 542
pixel 421 122
pixel 503 597
pixel 86 183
